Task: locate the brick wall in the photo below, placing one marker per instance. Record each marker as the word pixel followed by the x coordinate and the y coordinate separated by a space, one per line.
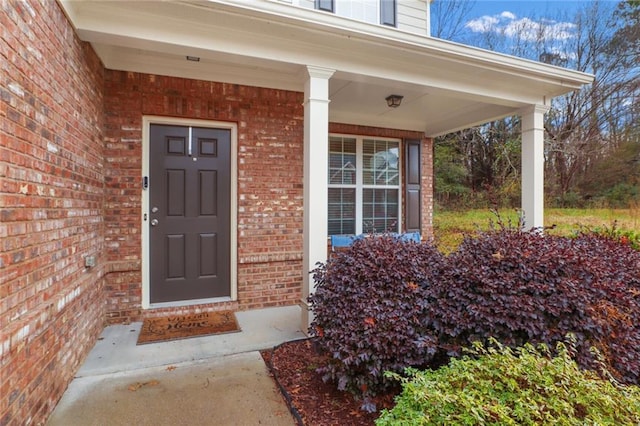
pixel 270 124
pixel 427 188
pixel 51 183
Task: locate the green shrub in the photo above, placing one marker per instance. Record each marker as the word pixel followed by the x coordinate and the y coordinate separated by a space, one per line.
pixel 504 387
pixel 568 200
pixel 625 236
pixel 622 195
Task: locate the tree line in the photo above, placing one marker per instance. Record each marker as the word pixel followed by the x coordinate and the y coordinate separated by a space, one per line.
pixel 592 136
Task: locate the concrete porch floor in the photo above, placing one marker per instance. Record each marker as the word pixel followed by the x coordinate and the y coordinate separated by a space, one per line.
pixel 210 380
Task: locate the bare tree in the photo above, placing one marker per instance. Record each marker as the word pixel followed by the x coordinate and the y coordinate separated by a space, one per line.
pixel 448 18
pixel 587 126
pixel 584 129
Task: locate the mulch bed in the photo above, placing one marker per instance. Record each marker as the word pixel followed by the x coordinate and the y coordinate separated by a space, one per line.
pixel 313 402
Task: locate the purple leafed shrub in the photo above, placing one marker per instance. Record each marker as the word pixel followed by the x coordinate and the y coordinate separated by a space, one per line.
pixel 384 304
pixel 369 308
pixel 613 273
pixel 524 287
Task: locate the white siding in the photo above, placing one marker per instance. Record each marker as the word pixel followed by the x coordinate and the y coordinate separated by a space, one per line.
pixel 412 16
pixel 308 4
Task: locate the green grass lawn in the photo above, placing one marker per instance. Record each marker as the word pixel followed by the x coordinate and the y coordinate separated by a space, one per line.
pixel 451 226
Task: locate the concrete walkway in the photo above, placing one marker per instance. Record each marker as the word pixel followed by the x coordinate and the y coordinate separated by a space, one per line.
pixel 211 380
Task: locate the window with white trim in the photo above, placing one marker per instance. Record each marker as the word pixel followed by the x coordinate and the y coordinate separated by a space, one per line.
pixel 364 185
pixel 372 11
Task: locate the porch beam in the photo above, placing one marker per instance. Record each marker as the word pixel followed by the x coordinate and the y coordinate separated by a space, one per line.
pixel 316 148
pixel 533 165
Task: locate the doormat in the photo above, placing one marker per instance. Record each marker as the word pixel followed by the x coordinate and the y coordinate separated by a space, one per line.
pixel 184 326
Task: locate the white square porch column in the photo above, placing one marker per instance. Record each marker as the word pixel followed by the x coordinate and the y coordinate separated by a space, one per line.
pixel 533 166
pixel 316 152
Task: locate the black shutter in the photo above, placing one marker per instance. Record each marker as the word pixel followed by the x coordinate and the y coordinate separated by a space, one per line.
pixel 388 12
pixel 326 5
pixel 412 149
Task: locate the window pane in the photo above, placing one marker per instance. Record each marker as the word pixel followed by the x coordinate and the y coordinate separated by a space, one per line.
pixel 388 12
pixel 376 185
pixel 362 10
pixel 326 5
pixel 380 162
pixel 342 211
pixel 342 161
pixel 380 210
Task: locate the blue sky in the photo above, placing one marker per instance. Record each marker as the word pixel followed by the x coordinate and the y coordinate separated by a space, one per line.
pixel 517 14
pixel 524 8
pixel 555 17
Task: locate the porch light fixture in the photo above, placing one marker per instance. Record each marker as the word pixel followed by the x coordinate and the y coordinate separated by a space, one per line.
pixel 193 58
pixel 394 101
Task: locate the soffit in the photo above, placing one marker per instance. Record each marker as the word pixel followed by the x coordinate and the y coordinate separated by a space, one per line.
pixel 446 86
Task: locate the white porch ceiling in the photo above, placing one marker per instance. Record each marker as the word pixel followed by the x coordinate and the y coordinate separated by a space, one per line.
pixel 446 86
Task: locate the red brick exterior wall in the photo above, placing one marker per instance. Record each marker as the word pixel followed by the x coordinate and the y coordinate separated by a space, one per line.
pixel 270 125
pixel 51 193
pixel 427 189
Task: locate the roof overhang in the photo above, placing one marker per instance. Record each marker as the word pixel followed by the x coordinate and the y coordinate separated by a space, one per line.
pixel 446 86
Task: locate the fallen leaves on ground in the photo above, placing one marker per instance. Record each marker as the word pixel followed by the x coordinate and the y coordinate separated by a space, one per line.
pixel 317 403
pixel 137 385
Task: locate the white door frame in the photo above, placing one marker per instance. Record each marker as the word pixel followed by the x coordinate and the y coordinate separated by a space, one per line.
pixel 147 121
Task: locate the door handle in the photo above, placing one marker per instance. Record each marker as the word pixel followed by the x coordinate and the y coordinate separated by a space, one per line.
pixel 154 222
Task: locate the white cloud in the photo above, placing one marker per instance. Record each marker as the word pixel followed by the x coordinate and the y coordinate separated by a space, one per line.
pixel 507 15
pixel 483 24
pixel 509 24
pixel 564 55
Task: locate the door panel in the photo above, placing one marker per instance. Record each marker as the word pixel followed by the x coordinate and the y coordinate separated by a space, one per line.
pixel 175 193
pixel 208 193
pixel 208 250
pixel 175 257
pixel 189 186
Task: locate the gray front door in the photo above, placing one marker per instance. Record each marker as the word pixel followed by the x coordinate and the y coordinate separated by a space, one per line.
pixel 189 217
